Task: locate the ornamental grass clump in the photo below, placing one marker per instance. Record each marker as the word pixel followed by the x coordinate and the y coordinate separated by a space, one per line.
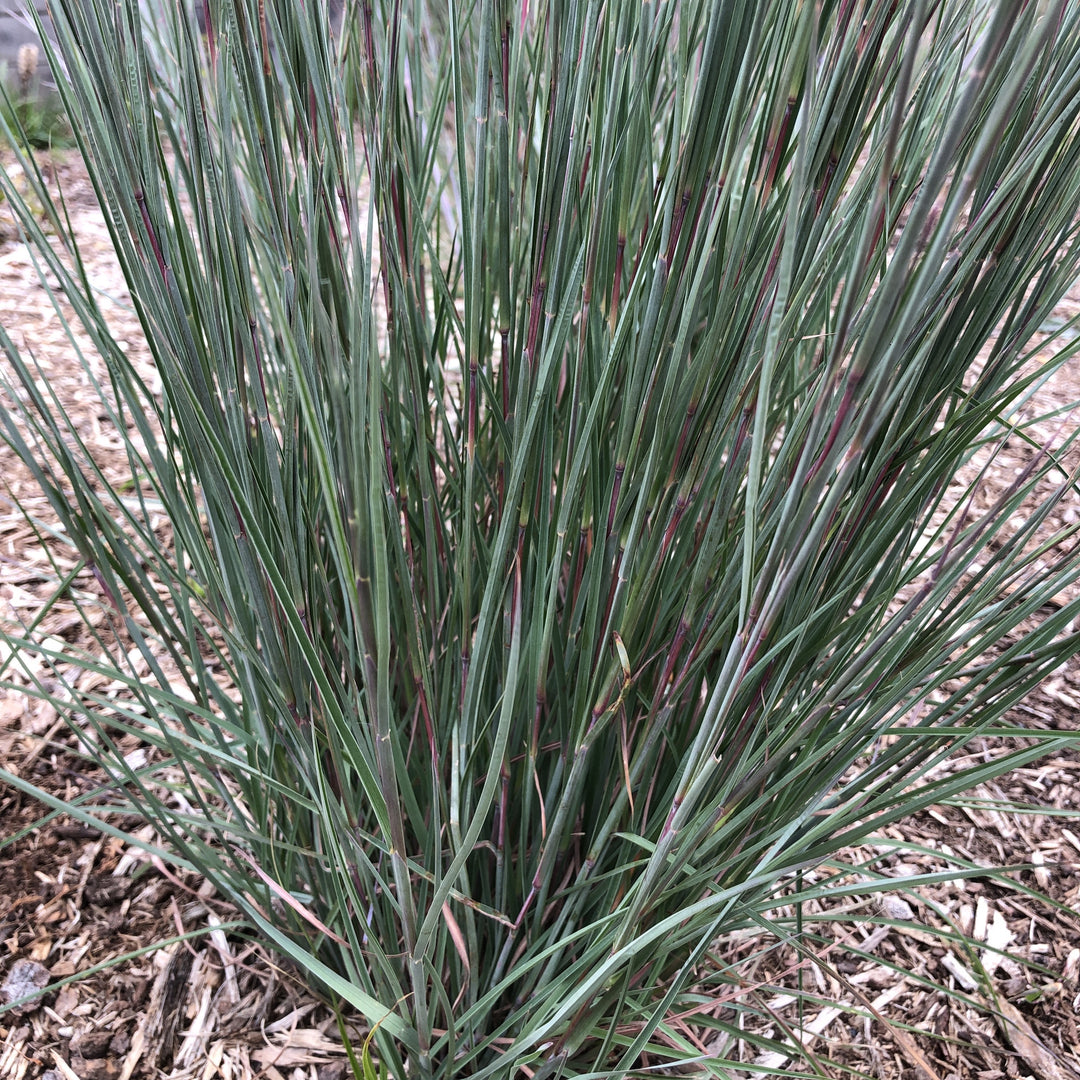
pixel 558 416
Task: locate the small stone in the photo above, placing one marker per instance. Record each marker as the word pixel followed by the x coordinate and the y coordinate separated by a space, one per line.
pixel 331 1070
pixel 25 977
pixel 92 1044
pixel 896 907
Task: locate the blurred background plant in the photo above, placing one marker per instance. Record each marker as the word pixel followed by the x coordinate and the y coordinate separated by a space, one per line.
pixel 33 115
pixel 558 410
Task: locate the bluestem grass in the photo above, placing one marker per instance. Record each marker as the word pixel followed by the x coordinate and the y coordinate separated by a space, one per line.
pixel 559 410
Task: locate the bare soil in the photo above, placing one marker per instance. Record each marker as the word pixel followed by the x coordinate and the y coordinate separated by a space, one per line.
pixel 895 999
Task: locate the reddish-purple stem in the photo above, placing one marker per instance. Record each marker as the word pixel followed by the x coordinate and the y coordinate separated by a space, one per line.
pixel 680 508
pixel 691 411
pixel 677 643
pixel 776 150
pixel 880 228
pixel 829 170
pixel 253 331
pixel 140 200
pixel 211 36
pixel 834 431
pixel 110 596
